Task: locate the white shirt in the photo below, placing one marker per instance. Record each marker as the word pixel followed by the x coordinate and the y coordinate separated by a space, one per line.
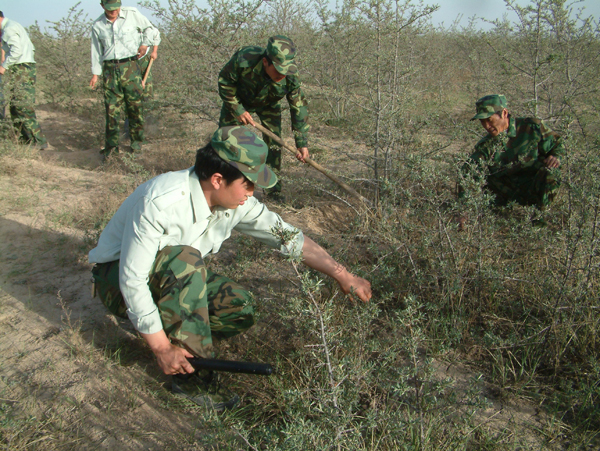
pixel 17 46
pixel 171 210
pixel 121 38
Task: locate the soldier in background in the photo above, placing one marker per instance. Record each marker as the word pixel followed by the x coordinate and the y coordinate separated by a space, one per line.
pixel 120 37
pixel 254 81
pixel 19 71
pixel 521 155
pixel 149 259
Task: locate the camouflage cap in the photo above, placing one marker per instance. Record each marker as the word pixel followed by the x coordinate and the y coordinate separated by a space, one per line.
pixel 282 51
pixel 489 105
pixel 246 152
pixel 111 5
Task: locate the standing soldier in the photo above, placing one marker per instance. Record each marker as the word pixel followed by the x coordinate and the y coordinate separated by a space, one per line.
pixel 120 37
pixel 19 66
pixel 254 81
pixel 521 156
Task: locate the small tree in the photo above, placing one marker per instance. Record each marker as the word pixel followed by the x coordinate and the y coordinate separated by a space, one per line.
pixel 550 54
pixel 59 49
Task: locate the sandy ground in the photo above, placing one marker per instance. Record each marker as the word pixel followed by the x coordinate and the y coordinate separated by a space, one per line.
pixel 71 376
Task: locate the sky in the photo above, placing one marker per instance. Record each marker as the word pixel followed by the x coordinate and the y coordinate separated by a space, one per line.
pixel 27 12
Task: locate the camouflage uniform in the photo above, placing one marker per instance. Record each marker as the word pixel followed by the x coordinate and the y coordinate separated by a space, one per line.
pixel 245 86
pixel 19 84
pixel 149 259
pixel 114 56
pixel 195 304
pixel 123 88
pixel 515 161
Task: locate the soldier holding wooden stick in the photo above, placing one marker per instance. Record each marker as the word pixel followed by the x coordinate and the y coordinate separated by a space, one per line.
pixel 120 41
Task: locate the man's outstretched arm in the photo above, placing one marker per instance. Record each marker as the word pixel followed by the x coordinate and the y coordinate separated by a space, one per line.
pixel 315 257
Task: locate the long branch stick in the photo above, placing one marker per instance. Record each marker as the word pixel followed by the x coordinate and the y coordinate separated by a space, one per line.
pixel 147 73
pixel 315 165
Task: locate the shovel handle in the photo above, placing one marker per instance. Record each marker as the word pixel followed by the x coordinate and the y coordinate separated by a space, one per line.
pixel 147 73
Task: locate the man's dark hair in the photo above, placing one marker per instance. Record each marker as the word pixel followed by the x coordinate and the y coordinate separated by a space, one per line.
pixel 1 14
pixel 208 162
pixel 268 58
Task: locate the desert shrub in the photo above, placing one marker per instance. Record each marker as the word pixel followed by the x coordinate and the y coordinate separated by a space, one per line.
pixel 520 298
pixel 62 49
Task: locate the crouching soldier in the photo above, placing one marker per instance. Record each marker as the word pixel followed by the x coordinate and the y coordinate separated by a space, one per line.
pixel 521 155
pixel 149 259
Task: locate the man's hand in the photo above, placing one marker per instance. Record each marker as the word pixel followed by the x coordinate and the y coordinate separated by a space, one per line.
pixel 142 51
pixel 246 118
pixel 2 70
pixel 315 257
pixel 551 162
pixel 154 54
pixel 354 285
pixel 93 81
pixel 302 154
pixel 171 359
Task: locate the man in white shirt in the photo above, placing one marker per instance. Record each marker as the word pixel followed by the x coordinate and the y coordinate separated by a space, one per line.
pixel 120 37
pixel 149 258
pixel 19 66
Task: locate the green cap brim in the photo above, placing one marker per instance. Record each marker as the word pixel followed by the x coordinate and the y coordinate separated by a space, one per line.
pixel 482 115
pixel 112 6
pixel 288 69
pixel 262 175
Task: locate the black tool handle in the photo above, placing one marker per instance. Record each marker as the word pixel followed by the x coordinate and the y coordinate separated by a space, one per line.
pixel 230 366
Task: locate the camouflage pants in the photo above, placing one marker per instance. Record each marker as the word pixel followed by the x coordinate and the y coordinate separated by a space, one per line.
pixel 270 118
pixel 195 304
pixel 123 89
pixel 147 98
pixel 535 185
pixel 20 92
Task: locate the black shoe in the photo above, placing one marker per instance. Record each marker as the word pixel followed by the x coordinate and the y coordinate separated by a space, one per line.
pixel 107 152
pixel 203 388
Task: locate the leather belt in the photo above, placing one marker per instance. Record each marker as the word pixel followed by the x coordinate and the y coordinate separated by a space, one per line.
pixel 124 60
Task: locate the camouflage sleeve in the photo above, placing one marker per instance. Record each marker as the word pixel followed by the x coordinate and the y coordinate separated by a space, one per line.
pixel 551 142
pixel 299 113
pixel 228 79
pixel 483 151
pixel 473 166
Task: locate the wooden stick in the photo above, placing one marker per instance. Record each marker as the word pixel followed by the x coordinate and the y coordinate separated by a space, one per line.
pixel 147 73
pixel 315 165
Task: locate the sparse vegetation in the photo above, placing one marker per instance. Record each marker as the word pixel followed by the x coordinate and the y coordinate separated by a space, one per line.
pixel 466 331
